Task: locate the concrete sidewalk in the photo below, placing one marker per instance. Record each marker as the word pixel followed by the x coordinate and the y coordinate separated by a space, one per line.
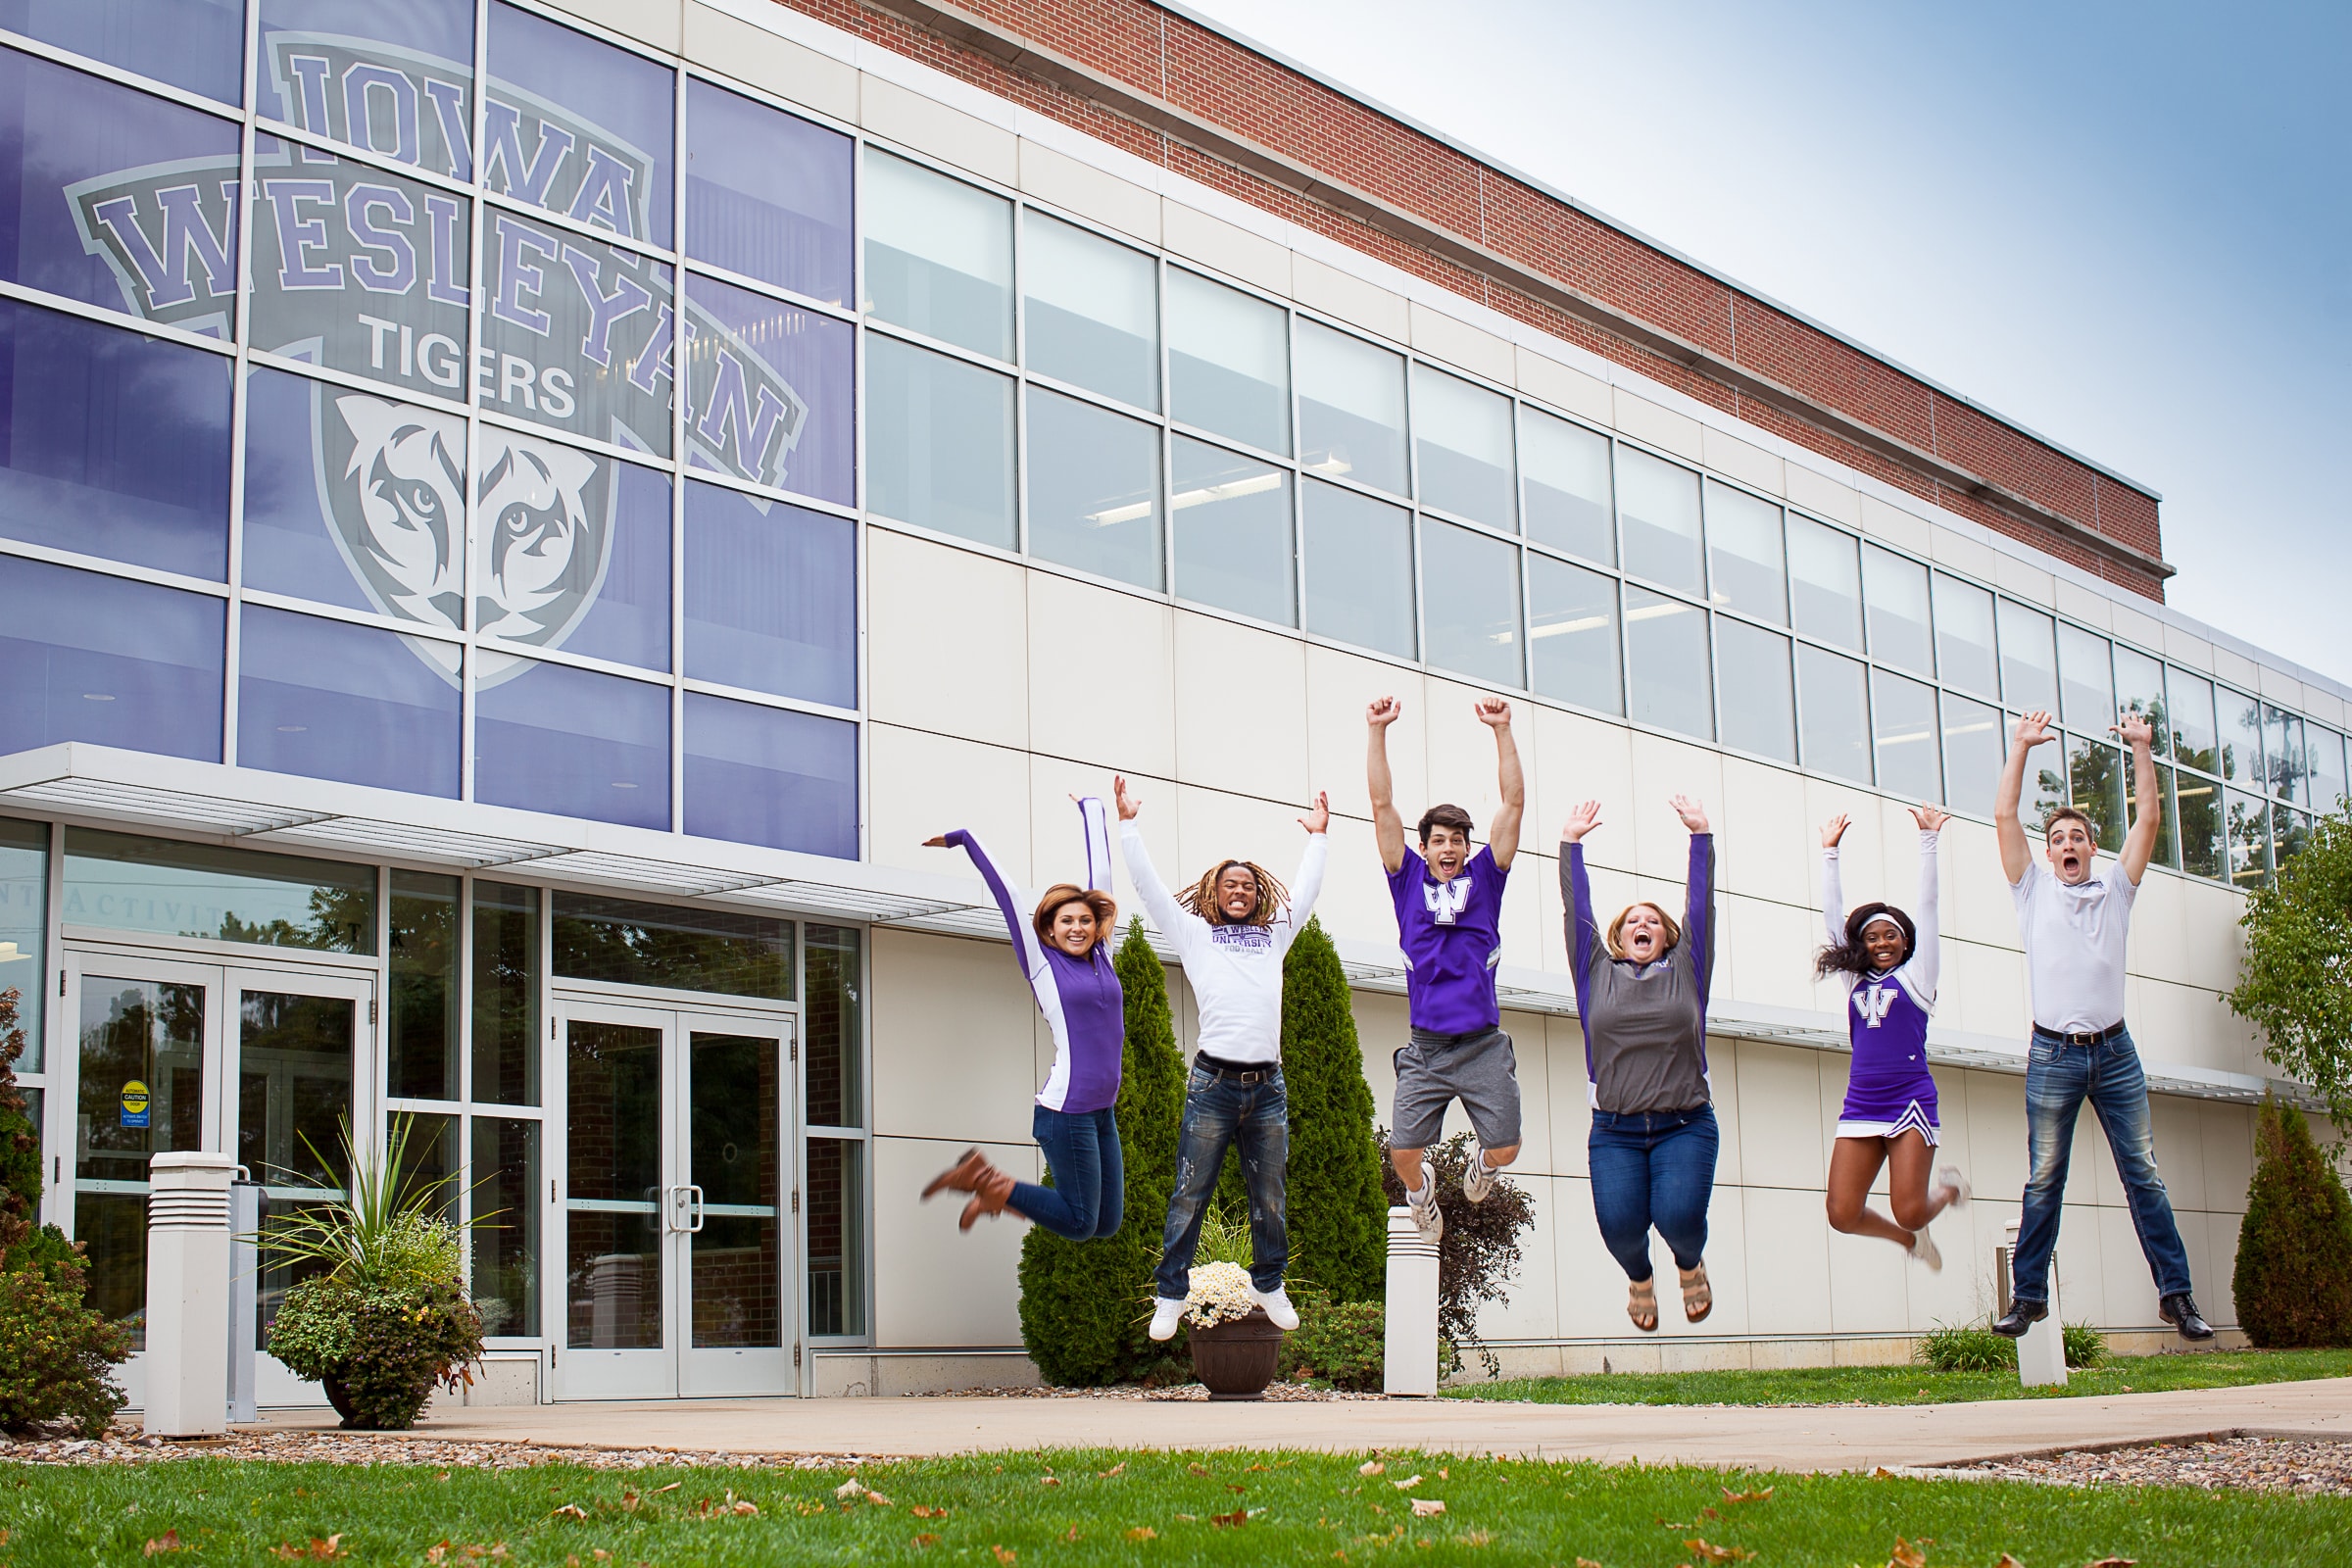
pixel 1803 1438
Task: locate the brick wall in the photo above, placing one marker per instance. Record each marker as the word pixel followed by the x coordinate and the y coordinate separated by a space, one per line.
pixel 1515 249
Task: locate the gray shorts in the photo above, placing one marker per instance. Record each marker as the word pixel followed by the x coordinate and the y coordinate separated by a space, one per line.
pixel 1480 1070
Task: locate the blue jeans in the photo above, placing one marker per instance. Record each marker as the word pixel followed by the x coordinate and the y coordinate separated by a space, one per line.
pixel 1089 1195
pixel 2059 1077
pixel 1653 1168
pixel 1220 1111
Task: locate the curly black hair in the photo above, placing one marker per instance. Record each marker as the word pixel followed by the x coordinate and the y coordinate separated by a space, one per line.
pixel 1850 957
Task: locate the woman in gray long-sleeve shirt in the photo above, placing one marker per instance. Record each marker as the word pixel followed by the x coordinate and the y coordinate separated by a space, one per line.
pixel 1641 997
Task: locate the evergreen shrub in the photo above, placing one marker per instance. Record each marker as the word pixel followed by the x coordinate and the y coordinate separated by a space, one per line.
pixel 1339 1214
pixel 2293 1281
pixel 1343 1344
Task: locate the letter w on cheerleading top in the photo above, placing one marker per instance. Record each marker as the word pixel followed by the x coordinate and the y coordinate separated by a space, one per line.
pixel 1874 1003
pixel 1447 900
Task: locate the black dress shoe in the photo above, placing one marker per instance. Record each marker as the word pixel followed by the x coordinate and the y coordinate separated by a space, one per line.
pixel 2021 1316
pixel 2181 1311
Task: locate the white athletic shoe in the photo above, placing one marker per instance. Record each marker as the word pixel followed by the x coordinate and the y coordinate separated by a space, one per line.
pixel 1277 1302
pixel 1924 1248
pixel 1950 1176
pixel 1166 1314
pixel 1477 1182
pixel 1428 1219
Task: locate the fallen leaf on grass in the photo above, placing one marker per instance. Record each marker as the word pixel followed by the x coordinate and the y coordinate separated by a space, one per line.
pixel 1714 1553
pixel 318 1551
pixel 852 1488
pixel 1198 1469
pixel 1729 1495
pixel 1074 1534
pixel 1105 1475
pixel 168 1541
pixel 1441 1475
pixel 1407 1483
pixel 1004 1556
pixel 1882 1473
pixel 1142 1533
pixel 1371 1467
pixel 2008 1561
pixel 1476 1538
pixel 630 1503
pixel 570 1510
pixel 923 1510
pixel 2112 1562
pixel 1229 1487
pixel 1239 1516
pixel 1586 1562
pixel 1906 1555
pixel 673 1487
pixel 1048 1480
pixel 1423 1507
pixel 926 1539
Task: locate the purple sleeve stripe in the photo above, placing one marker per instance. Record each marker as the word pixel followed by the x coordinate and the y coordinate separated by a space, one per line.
pixel 1584 938
pixel 1097 824
pixel 1699 912
pixel 1025 951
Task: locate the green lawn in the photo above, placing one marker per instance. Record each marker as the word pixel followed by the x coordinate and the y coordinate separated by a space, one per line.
pixel 1914 1385
pixel 1103 1507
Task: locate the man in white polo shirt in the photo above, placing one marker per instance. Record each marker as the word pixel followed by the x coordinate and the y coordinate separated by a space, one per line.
pixel 2074 924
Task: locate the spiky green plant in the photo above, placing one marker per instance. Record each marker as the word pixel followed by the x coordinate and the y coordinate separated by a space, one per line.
pixel 390 1227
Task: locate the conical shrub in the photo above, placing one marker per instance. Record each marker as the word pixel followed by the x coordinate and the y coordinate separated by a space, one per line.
pixel 2293 1281
pixel 1338 1215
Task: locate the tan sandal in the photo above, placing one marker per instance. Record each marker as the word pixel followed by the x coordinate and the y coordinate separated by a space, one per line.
pixel 1698 1299
pixel 1642 1304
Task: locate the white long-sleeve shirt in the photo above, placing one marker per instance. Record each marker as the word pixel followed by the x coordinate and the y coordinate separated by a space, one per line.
pixel 1235 970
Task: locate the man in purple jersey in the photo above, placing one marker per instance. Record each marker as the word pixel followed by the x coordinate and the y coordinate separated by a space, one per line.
pixel 1449 907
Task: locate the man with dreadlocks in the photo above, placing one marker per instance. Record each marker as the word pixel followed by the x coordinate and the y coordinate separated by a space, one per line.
pixel 1231 930
pixel 1887 964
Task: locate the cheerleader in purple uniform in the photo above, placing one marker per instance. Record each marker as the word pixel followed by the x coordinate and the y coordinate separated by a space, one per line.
pixel 1888 966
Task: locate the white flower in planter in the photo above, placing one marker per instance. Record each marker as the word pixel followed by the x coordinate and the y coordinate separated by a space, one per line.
pixel 1219 1292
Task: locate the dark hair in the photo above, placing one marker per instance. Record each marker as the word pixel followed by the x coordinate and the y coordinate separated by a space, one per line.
pixel 1200 898
pixel 1850 957
pixel 2064 813
pixel 1106 911
pixel 1452 816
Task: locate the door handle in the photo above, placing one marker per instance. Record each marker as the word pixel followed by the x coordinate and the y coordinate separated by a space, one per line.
pixel 694 1197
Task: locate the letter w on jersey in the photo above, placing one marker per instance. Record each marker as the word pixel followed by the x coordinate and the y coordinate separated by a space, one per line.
pixel 1447 900
pixel 1874 1003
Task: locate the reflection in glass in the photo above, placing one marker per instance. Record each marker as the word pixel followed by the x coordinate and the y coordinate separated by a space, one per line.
pixel 421 1027
pixel 24 930
pixel 2287 757
pixel 1091 310
pixel 1759 706
pixel 1093 489
pixel 293 1104
pixel 2241 720
pixel 1835 706
pixel 505 1191
pixel 2327 769
pixel 1568 491
pixel 2188 714
pixel 836 1236
pixel 2087 680
pixel 2290 835
pixel 2094 771
pixel 1351 408
pixel 1964 645
pixel 324 699
pixel 2167 853
pixel 1470 602
pixel 630 942
pixel 1825 579
pixel 2045 785
pixel 1229 363
pixel 1572 634
pixel 1973 753
pixel 616 1111
pixel 1903 730
pixel 1233 532
pixel 733 1101
pixel 196 44
pixel 2249 833
pixel 223 893
pixel 552 738
pixel 1659 505
pixel 771 597
pixel 1895 592
pixel 609 111
pixel 767 194
pixel 1462 440
pixel 505 994
pixel 1746 564
pixel 141 1093
pixel 939 442
pixel 2204 840
pixel 1359 571
pixel 834 1084
pixel 937 256
pixel 1666 648
pixel 2029 659
pixel 766 775
pixel 2139 689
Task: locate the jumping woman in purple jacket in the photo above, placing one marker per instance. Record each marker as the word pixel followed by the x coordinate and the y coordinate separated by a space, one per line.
pixel 1887 964
pixel 1064 949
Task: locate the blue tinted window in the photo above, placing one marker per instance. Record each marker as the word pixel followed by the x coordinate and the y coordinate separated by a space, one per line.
pixel 327 699
pixel 774 394
pixel 627 613
pixel 113 443
pixel 195 44
pixel 104 660
pixel 550 738
pixel 149 181
pixel 771 597
pixel 394 75
pixel 767 194
pixel 762 776
pixel 578 335
pixel 578 127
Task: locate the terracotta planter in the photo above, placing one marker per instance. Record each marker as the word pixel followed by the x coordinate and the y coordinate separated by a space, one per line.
pixel 1236 1359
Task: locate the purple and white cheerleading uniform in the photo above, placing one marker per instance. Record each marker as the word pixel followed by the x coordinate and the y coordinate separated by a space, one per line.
pixel 1080 998
pixel 1890 1091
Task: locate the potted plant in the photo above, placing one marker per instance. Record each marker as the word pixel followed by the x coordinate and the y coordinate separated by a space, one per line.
pixel 1236 1348
pixel 385 1317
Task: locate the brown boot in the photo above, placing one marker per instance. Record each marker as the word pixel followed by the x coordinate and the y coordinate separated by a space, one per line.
pixel 989 1196
pixel 963 1176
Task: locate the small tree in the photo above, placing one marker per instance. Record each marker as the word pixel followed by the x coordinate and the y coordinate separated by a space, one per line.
pixel 2293 1281
pixel 1082 1309
pixel 1338 1215
pixel 2297 982
pixel 1480 1244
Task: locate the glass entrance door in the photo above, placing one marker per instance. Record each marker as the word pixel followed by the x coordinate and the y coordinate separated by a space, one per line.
pixel 677 1234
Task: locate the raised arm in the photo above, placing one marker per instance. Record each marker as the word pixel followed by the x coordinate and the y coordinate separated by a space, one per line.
pixel 1926 954
pixel 2147 822
pixel 1576 894
pixel 1173 919
pixel 1096 824
pixel 2016 855
pixel 1502 834
pixel 1833 887
pixel 1308 886
pixel 1698 894
pixel 1387 828
pixel 1027 952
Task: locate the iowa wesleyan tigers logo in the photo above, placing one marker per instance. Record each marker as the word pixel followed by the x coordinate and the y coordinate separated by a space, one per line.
pixel 362 271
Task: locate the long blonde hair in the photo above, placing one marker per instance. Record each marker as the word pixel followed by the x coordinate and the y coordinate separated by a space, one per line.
pixel 1200 898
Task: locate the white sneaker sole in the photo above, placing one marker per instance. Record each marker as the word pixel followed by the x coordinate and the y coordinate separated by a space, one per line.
pixel 1477 1182
pixel 1429 1219
pixel 1171 1322
pixel 1285 1319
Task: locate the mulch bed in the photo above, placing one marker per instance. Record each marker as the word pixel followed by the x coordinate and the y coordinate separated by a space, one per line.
pixel 2304 1467
pixel 126 1444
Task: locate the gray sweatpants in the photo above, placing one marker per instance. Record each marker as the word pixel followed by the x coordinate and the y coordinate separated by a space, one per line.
pixel 1480 1070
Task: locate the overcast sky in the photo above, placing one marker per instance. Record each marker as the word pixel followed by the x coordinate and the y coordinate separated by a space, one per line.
pixel 2127 226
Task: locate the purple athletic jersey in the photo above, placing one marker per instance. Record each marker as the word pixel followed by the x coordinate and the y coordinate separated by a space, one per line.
pixel 1449 931
pixel 1889 1030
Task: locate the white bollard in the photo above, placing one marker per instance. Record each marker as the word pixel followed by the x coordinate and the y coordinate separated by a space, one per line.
pixel 2041 1348
pixel 187 1294
pixel 1411 1318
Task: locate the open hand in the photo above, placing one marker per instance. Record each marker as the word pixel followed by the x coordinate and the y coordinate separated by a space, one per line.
pixel 1384 712
pixel 2134 729
pixel 1318 818
pixel 1492 711
pixel 1833 830
pixel 2032 729
pixel 1929 818
pixel 1694 815
pixel 939 842
pixel 1129 803
pixel 1581 821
